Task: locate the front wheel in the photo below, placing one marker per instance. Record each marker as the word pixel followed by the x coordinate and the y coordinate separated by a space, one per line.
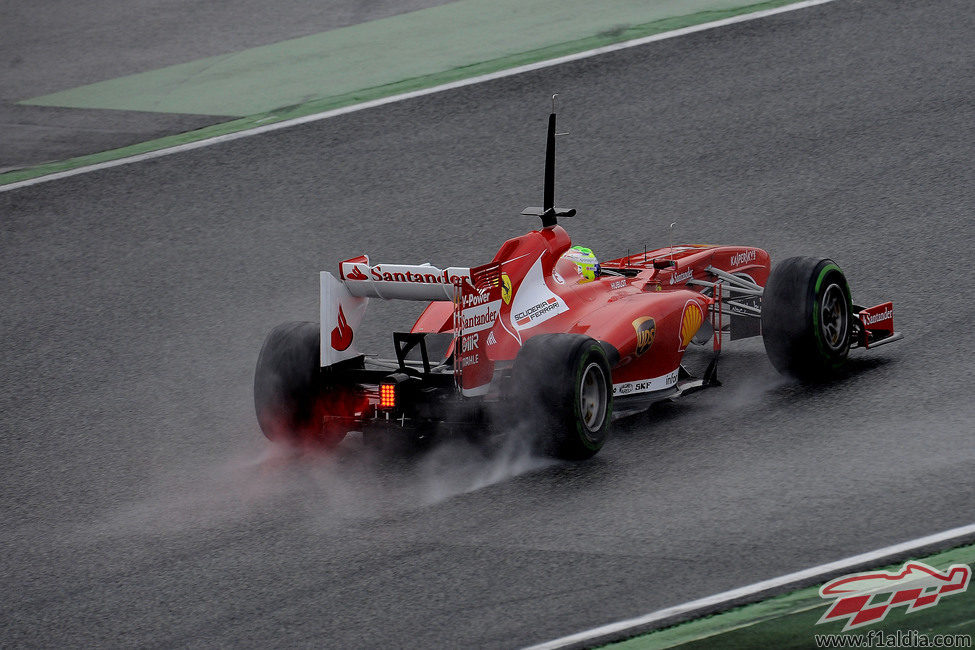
pixel 806 311
pixel 563 386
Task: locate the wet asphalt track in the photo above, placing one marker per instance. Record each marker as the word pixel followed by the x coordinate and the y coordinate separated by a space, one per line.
pixel 141 505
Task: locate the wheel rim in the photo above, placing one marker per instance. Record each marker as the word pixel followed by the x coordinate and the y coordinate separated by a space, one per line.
pixel 833 317
pixel 592 397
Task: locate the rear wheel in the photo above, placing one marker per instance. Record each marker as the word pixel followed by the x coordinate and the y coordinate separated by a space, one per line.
pixel 806 317
pixel 563 387
pixel 291 398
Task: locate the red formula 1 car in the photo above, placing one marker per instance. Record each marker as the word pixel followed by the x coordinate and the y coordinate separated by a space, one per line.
pixel 545 335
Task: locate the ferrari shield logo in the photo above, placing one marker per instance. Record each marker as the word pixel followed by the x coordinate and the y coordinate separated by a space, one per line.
pixel 506 288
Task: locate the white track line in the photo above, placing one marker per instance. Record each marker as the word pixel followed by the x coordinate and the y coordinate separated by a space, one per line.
pixel 416 93
pixel 645 623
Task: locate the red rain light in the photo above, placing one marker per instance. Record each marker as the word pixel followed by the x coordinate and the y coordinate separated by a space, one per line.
pixel 387 396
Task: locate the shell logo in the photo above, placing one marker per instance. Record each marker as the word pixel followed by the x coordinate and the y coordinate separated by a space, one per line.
pixel 690 322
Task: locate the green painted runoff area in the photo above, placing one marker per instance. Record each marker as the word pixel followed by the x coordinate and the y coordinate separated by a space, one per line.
pixel 288 80
pixel 377 53
pixel 789 621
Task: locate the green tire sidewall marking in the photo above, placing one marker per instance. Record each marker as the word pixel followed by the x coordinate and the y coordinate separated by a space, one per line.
pixel 824 351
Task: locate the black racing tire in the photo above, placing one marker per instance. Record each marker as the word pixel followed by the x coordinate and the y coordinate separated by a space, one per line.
pixel 288 387
pixel 562 385
pixel 806 318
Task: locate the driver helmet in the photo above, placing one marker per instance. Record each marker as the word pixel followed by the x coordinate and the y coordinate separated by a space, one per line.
pixel 582 261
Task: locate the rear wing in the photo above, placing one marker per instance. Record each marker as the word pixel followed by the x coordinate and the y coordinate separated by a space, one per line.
pixel 401 281
pixel 343 299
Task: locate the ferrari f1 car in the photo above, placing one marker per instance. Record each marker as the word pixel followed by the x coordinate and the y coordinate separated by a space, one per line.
pixel 546 336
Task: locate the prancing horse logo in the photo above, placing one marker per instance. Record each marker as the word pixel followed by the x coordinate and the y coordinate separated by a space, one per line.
pixel 506 288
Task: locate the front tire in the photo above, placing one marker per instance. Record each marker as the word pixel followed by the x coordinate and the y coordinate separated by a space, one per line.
pixel 563 384
pixel 806 311
pixel 288 388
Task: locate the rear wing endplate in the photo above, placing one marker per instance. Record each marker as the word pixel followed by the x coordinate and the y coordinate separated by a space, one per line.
pixel 477 306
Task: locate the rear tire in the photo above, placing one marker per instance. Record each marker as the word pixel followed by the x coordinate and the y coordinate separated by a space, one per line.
pixel 288 388
pixel 563 384
pixel 806 311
